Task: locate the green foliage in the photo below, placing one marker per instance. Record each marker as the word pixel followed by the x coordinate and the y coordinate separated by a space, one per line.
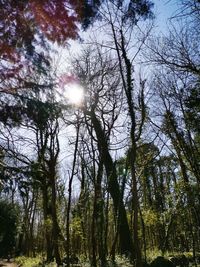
pixel 40 112
pixel 121 261
pixel 25 261
pixel 28 262
pixel 76 226
pixel 150 217
pixel 9 214
pixel 48 223
pixel 193 109
pixel 152 254
pixel 161 261
pixel 136 10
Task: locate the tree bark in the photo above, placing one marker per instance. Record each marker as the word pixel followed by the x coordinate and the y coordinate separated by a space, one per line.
pixel 125 240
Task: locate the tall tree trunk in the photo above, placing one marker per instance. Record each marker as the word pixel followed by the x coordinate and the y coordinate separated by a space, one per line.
pixel 93 235
pixel 48 230
pixel 135 203
pixel 125 240
pixel 68 245
pixel 100 216
pixel 126 72
pixel 55 227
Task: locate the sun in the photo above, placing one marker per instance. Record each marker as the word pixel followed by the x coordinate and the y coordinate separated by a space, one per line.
pixel 74 93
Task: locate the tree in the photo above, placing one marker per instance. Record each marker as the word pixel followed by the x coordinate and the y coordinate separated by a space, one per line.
pixel 8 230
pixel 101 108
pixel 39 113
pixel 193 110
pixel 176 82
pixel 27 23
pixel 122 30
pixel 189 9
pixel 30 28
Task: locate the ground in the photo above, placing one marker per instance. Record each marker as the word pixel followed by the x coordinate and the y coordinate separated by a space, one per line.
pixel 7 264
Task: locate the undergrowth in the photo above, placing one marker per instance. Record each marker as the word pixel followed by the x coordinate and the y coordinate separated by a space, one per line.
pixel 120 261
pixel 27 261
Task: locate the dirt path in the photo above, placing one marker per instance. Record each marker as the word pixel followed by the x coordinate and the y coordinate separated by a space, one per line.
pixel 7 264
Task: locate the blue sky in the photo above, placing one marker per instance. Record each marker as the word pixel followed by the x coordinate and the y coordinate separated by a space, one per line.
pixel 164 9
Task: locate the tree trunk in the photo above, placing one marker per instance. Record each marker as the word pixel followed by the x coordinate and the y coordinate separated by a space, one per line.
pixel 56 229
pixel 125 240
pixel 100 216
pixel 48 230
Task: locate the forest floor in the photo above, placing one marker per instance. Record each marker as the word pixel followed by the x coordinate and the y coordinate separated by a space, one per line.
pixel 5 263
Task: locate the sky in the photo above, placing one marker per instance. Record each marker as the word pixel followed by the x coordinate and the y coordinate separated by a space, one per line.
pixel 164 9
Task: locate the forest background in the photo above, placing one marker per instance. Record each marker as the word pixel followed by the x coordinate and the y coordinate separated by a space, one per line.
pixel 99 142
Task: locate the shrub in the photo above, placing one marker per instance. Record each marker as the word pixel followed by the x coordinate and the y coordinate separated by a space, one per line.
pixel 161 262
pixel 8 227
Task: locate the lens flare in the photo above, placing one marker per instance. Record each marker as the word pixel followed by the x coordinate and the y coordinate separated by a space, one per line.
pixel 74 93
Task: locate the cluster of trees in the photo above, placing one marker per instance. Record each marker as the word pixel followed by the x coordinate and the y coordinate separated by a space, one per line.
pixel 130 183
